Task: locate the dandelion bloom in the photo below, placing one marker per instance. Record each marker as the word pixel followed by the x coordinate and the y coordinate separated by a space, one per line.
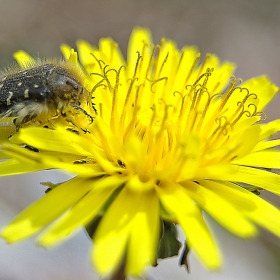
pixel 170 137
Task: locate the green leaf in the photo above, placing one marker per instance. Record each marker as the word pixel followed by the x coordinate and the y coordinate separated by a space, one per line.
pixel 168 245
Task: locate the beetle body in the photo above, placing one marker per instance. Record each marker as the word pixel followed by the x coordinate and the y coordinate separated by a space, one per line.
pixel 40 91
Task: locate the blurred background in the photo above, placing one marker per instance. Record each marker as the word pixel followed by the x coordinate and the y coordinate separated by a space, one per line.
pixel 245 32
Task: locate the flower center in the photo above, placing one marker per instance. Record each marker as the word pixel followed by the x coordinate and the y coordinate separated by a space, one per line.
pixel 169 116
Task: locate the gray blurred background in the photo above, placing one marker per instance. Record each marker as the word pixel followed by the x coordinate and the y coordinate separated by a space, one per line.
pixel 245 32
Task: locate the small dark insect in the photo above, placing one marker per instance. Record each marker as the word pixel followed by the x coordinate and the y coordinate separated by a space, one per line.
pixel 30 148
pixel 40 91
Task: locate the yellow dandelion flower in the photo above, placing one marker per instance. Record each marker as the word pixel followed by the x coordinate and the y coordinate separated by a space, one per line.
pixel 171 137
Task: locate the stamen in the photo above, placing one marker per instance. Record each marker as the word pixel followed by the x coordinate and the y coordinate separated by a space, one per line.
pixel 134 114
pixel 207 74
pixel 179 120
pixel 105 144
pixel 128 94
pixel 200 121
pixel 180 61
pixel 229 91
pixel 197 90
pixel 208 55
pixel 140 130
pixel 243 112
pixel 158 139
pixel 156 81
pixel 163 63
pixel 151 62
pixel 165 117
pixel 100 111
pixel 192 112
pixel 99 84
pixel 241 106
pixel 149 133
pixel 255 109
pixel 108 80
pixel 154 61
pixel 114 113
pixel 222 129
pixel 99 61
pixel 170 139
pixel 262 115
pixel 192 68
pixel 145 46
pixel 182 159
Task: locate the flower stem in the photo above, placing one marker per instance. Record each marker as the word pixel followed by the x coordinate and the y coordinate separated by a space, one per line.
pixel 120 274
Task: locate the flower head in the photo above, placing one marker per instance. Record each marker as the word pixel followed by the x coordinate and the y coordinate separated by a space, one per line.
pixel 170 137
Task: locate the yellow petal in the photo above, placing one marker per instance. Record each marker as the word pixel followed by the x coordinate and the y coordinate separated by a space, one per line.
pixel 168 57
pixel 46 161
pixel 269 129
pixel 69 54
pixel 56 140
pixel 215 171
pixel 256 177
pixel 220 77
pixel 90 58
pixel 244 124
pixel 111 237
pixel 176 201
pixel 46 210
pixel 23 59
pixel 66 50
pixel 6 129
pixel 13 167
pixel 266 159
pixel 221 210
pixel 143 241
pixel 111 49
pixel 83 212
pixel 184 67
pixel 252 206
pixel 131 222
pixel 266 145
pixel 242 145
pixel 22 155
pixel 263 88
pixel 138 38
